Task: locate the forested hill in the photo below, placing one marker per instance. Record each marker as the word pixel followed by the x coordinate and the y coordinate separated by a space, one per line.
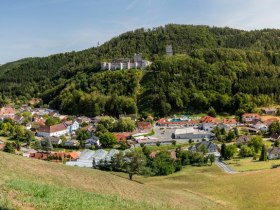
pixel 228 69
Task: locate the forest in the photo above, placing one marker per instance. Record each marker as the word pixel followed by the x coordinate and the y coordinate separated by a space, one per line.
pixel 231 70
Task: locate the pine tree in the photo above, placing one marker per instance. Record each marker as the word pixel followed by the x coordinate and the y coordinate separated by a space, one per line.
pixel 263 156
pixel 223 150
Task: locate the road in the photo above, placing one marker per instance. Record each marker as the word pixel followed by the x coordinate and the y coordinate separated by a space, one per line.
pixel 225 167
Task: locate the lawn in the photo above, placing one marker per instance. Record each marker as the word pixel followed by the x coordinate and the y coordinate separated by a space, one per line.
pixel 248 164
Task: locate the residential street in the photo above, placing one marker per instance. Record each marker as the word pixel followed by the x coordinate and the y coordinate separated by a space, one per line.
pixel 225 167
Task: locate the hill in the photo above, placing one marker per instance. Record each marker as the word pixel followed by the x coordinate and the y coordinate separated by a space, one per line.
pixel 34 184
pixel 228 69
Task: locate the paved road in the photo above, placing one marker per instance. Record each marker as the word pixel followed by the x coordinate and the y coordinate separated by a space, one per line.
pixel 225 167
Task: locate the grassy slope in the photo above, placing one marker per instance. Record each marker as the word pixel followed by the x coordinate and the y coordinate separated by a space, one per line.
pixel 251 190
pixel 33 184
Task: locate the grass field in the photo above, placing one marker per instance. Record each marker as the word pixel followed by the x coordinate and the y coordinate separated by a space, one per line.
pixel 34 184
pixel 248 164
pixel 251 190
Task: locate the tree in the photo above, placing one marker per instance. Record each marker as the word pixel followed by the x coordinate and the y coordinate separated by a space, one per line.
pixel 274 127
pixel 134 163
pixel 163 164
pixel 212 112
pixel 230 151
pixel 245 151
pixel 223 150
pixel 158 143
pixel 52 121
pixel 263 156
pixel 230 136
pixel 212 158
pixel 82 134
pixel 29 137
pixel 47 145
pixel 277 143
pixel 9 148
pixel 108 139
pixel 203 149
pixel 256 142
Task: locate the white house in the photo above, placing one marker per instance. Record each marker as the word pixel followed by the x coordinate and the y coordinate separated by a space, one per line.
pixel 53 130
pixel 260 126
pixel 273 153
pixel 72 127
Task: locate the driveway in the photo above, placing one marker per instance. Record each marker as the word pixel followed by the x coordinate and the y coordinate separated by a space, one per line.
pixel 225 167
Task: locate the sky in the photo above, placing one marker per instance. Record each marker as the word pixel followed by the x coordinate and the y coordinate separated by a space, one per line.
pixel 35 28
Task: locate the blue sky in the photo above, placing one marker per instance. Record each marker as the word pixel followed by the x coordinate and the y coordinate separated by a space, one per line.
pixel 31 28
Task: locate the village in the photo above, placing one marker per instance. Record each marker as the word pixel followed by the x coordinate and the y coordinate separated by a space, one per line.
pixel 45 134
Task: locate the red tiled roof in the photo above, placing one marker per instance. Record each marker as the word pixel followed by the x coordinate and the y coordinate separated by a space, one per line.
pixel 122 136
pixel 144 125
pixel 249 115
pixel 209 119
pixel 230 121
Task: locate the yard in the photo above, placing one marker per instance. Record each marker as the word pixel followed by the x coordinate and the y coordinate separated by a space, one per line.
pixel 248 164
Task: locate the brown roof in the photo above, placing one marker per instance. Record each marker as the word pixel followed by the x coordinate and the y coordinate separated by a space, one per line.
pixel 52 128
pixel 230 121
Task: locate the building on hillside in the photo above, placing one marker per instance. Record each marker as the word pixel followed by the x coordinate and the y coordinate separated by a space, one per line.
pixel 169 50
pixel 209 146
pixel 273 153
pixel 249 117
pixel 125 63
pixel 93 141
pixel 72 143
pixel 123 136
pixel 144 127
pixel 7 112
pixel 244 139
pixel 72 127
pixel 269 111
pixel 192 133
pixel 54 140
pixel 208 123
pixel 53 130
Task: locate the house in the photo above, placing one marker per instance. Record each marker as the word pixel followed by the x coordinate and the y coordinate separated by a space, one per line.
pixel 144 126
pixel 273 153
pixel 7 112
pixel 241 140
pixel 269 111
pixel 72 127
pixel 123 136
pixel 28 126
pixel 187 123
pixel 83 119
pixel 209 146
pixel 230 122
pixel 249 117
pixel 269 121
pixel 53 130
pixel 192 133
pixel 208 123
pixel 260 126
pixel 93 141
pixel 275 137
pixel 54 140
pixel 72 143
pixel 18 119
